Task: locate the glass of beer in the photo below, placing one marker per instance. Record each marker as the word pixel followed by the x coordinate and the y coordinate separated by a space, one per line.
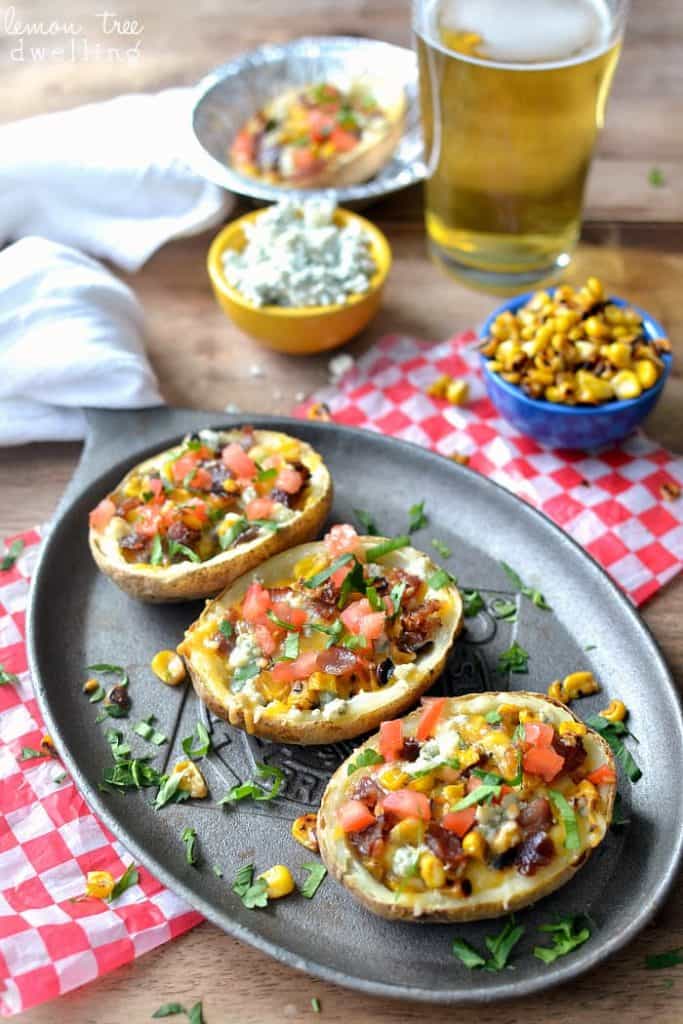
pixel 513 93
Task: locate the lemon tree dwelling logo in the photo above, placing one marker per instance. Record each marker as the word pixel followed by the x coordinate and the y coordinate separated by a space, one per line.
pixel 106 37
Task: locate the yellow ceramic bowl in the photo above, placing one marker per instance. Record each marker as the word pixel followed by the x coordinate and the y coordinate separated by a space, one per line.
pixel 299 330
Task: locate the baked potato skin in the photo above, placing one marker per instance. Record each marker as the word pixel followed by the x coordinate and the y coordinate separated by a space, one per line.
pixel 381 901
pixel 189 581
pixel 284 729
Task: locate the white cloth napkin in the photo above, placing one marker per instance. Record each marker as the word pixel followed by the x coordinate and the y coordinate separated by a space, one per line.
pixel 71 335
pixel 108 178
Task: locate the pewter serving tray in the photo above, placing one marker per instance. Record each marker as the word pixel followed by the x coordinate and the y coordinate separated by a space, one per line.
pixel 77 616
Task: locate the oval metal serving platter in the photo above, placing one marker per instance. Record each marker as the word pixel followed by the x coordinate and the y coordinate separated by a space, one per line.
pixel 78 617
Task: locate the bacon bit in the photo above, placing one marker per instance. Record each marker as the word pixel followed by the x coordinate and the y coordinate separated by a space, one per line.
pixel 669 491
pixel 319 411
pixel 47 747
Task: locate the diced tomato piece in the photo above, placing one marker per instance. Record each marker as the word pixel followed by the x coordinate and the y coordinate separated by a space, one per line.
pixel 340 575
pixel 296 617
pixel 184 465
pixel 201 480
pixel 260 508
pixel 290 671
pixel 304 159
pixel 460 822
pixel 289 480
pixel 602 775
pixel 408 803
pixel 360 619
pixel 243 148
pixel 354 816
pixel 543 761
pixel 343 141
pixel 432 709
pixel 343 540
pixel 238 462
pixel 320 124
pixel 256 602
pixel 155 485
pixel 391 739
pixel 538 734
pixel 267 638
pixel 147 522
pixel 101 515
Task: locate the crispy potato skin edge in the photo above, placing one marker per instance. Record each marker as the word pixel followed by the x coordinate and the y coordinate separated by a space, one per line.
pixel 396 912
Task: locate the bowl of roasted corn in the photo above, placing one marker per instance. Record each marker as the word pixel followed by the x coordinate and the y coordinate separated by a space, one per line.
pixel 573 368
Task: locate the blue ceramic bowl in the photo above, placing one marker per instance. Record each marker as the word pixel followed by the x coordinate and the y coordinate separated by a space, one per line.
pixel 572 426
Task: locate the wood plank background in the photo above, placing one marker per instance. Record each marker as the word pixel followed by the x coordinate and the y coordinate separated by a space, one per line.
pixel 632 239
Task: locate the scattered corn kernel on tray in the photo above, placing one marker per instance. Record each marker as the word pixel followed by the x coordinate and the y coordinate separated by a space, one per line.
pixel 78 618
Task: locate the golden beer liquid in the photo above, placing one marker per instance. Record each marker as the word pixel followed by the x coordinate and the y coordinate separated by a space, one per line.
pixel 508 148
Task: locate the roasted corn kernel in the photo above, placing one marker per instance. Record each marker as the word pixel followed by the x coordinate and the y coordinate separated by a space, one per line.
pixel 572 729
pixel 432 871
pixel 570 330
pixel 394 778
pixel 99 884
pixel 305 831
pixel 90 685
pixel 616 711
pixel 169 667
pixel 409 831
pixel 555 690
pixel 192 780
pixel 279 881
pixel 474 845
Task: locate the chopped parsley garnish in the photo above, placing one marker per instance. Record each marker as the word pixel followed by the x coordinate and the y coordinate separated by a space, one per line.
pixel 7 677
pixel 366 521
pixel 355 643
pixel 252 893
pixel 119 749
pixel 671 958
pixel 281 622
pixel 499 946
pixel 104 668
pixel 572 839
pixel 170 791
pixel 228 537
pixel 467 954
pixel 131 876
pixel 386 547
pixel 59 779
pixel 157 552
pixel 619 819
pixel 244 673
pixel 473 603
pixel 194 1014
pixel 218 872
pixel 148 732
pixel 176 548
pixel 30 753
pixel 503 609
pixel 333 632
pixel 264 475
pixel 201 738
pixel 12 554
pixel 315 1005
pixel 324 574
pixel 515 659
pixel 374 600
pixel 112 711
pixel 353 581
pixel 613 732
pixel 290 648
pixel 129 773
pixel 493 717
pixel 656 177
pixel 442 548
pixel 226 628
pixel 251 790
pixel 417 518
pixel 316 876
pixel 535 596
pixel 189 837
pixel 366 758
pixel 168 1010
pixel 396 595
pixel 441 578
pixel 568 933
pixel 482 793
pixel 591 647
pixel 97 694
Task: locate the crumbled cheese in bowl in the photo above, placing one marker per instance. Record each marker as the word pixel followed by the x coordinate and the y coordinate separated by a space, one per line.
pixel 296 256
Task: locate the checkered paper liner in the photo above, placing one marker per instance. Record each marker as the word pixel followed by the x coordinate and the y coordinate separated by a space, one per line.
pixel 610 501
pixel 50 941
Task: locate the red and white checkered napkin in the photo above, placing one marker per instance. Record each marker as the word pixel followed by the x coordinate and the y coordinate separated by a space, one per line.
pixel 609 501
pixel 49 840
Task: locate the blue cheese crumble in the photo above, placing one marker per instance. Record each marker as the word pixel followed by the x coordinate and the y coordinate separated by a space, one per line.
pixel 295 255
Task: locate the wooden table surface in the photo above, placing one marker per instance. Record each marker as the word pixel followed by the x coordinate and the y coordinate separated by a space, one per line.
pixel 631 240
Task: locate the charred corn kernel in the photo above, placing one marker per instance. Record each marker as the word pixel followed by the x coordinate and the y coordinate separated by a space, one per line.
pixel 462 460
pixel 579 684
pixel 586 791
pixel 231 486
pixel 192 780
pixel 616 711
pixel 619 354
pixel 275 708
pixel 646 372
pixel 308 566
pixel 438 387
pixel 169 667
pixel 498 738
pixel 272 690
pixel 99 884
pixel 318 411
pixel 474 845
pixel 626 385
pixel 555 690
pixel 46 741
pixel 90 685
pixel 468 757
pixel 527 716
pixel 407 832
pixel 495 366
pixel 572 729
pixel 594 388
pixel 507 836
pixel 454 792
pixel 279 881
pixel 554 394
pixel 457 392
pixel 423 784
pixel 432 871
pixel 394 778
pixel 595 286
pixel 304 830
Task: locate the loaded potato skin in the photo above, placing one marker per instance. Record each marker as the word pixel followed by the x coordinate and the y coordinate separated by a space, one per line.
pixel 469 808
pixel 186 522
pixel 324 641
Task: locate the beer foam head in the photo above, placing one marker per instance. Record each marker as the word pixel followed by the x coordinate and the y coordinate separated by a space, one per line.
pixel 530 31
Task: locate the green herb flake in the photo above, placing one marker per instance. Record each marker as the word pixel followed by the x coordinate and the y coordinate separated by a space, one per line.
pixel 364 759
pixel 281 622
pixel 228 536
pixel 168 1010
pixel 482 793
pixel 7 677
pixel 226 628
pixel 500 946
pixel 157 552
pixel 131 876
pixel 195 1015
pixel 320 577
pixel 218 872
pixel 417 518
pixel 252 893
pixel 30 754
pixel 59 779
pixel 473 603
pixel 374 599
pixel 170 791
pixel 104 668
pixel 656 177
pixel 613 732
pixel 515 659
pixel 535 596
pixel 316 876
pixel 265 475
pixel 332 632
pixel 176 548
pixel 12 554
pixel 591 647
pixel 354 581
pixel 568 933
pixel 355 643
pixel 442 548
pixel 251 790
pixel 315 1005
pixel 96 696
pixel 396 596
pixel 658 961
pixel 189 837
pixel 440 579
pixel 503 609
pixel 466 954
pixel 244 673
pixel 290 648
pixel 366 521
pixel 572 839
pixel 148 732
pixel 386 547
pixel 493 717
pixel 198 744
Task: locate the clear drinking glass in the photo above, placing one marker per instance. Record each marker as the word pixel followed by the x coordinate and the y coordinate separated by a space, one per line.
pixel 513 94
